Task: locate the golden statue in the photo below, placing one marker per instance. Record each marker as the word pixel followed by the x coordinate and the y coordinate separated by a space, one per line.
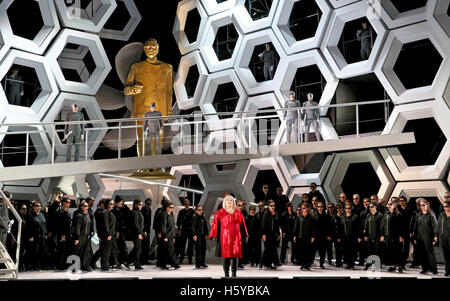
pixel 149 81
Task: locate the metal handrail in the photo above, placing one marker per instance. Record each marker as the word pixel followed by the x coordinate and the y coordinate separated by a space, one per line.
pixel 200 114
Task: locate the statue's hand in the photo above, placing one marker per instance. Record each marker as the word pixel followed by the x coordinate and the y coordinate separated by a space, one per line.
pixel 137 88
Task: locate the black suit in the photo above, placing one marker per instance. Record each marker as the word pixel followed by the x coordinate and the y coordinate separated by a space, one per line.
pixel 137 228
pixel 200 229
pixel 37 230
pixel 184 222
pixel 271 228
pixel 62 228
pixel 391 229
pixel 81 231
pixel 167 228
pixel 443 232
pixel 254 238
pixel 424 232
pixel 304 230
pixel 147 214
pixel 287 228
pixel 350 231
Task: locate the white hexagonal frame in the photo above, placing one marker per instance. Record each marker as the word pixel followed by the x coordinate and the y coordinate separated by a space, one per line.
pixel 332 36
pixel 394 19
pixel 21 114
pixel 295 178
pixel 75 17
pixel 179 172
pixel 245 53
pixel 184 102
pixel 130 27
pixel 389 55
pixel 421 189
pixel 89 103
pixel 257 165
pixel 44 37
pixel 98 54
pixel 439 15
pixel 305 59
pixel 21 190
pixel 396 123
pixel 212 7
pixel 206 47
pixel 246 23
pixel 339 167
pixel 184 7
pixel 259 102
pixel 39 140
pixel 209 91
pixel 4 43
pixel 281 27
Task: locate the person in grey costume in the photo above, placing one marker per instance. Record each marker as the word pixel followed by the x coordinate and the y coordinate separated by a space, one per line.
pixel 74 133
pixel 268 57
pixel 153 128
pixel 291 117
pixel 311 117
pixel 14 89
pixel 364 35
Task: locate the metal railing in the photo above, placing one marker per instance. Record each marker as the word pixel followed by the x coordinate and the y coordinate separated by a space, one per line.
pixel 243 122
pixel 19 230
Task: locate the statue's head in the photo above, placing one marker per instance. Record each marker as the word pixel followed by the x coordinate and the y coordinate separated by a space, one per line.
pixel 151 48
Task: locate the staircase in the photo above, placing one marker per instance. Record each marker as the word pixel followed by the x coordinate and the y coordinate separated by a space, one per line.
pixel 8 269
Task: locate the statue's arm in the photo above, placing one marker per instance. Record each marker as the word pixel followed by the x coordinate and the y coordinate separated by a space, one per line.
pixel 131 88
pixel 169 90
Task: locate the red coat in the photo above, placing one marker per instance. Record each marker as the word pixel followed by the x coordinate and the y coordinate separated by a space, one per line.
pixel 230 232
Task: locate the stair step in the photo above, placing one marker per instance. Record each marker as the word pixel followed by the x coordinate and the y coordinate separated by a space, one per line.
pixel 6 260
pixel 7 271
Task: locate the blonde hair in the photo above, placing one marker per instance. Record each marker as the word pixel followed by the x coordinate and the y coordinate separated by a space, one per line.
pixel 224 204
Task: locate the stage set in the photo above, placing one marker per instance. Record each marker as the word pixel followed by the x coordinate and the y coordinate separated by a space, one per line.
pixel 132 131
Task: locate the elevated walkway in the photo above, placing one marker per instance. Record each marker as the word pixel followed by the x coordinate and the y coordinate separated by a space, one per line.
pixel 135 163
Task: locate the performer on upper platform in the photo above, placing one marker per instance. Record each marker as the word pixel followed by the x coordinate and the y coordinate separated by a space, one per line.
pixel 311 117
pixel 149 81
pixel 230 234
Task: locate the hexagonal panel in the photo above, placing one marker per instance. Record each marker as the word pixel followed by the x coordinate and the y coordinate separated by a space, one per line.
pixel 187 96
pixel 89 107
pixel 220 43
pixel 300 25
pixel 187 35
pixel 186 176
pixel 222 93
pixel 261 102
pixel 22 190
pixel 102 65
pixel 396 124
pixel 213 7
pixel 391 52
pixel 298 175
pixel 4 43
pixel 14 146
pixel 341 163
pixel 43 97
pixel 86 15
pixel 41 14
pixel 126 10
pixel 397 13
pixel 253 15
pixel 246 55
pixel 263 170
pixel 76 69
pixel 319 73
pixel 441 15
pixel 360 89
pixel 413 52
pixel 370 185
pixel 425 189
pixel 337 29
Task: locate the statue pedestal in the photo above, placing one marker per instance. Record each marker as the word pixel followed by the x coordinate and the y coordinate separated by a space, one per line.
pixel 156 174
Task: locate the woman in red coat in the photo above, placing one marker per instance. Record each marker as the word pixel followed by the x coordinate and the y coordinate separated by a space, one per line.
pixel 231 220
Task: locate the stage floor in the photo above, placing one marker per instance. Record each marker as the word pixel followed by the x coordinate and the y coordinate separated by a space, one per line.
pixel 215 271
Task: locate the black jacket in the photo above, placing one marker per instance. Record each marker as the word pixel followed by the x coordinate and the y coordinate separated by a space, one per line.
pixel 391 226
pixel 137 225
pixel 305 227
pixel 51 216
pixel 350 227
pixel 199 226
pixel 63 222
pixel 425 227
pixel 184 219
pixel 443 226
pixel 122 217
pixel 253 227
pixel 317 194
pixel 147 214
pixel 287 223
pixel 167 225
pixel 157 221
pixel 270 224
pixel 106 223
pixel 323 225
pixel 372 226
pixel 81 227
pixel 280 204
pixel 36 226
